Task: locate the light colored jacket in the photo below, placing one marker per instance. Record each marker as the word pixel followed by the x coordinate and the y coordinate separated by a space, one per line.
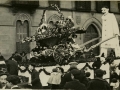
pixel 109 29
pixel 55 78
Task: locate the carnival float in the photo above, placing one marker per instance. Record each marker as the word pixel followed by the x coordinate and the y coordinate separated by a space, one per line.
pixel 55 44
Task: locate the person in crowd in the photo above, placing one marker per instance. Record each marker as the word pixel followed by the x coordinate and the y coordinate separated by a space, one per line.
pixel 98 83
pixel 114 84
pixel 67 76
pixel 75 84
pixel 12 82
pixel 109 24
pixel 3 80
pixel 55 79
pixel 60 70
pixel 87 74
pixel 18 57
pixel 12 66
pixel 113 75
pixel 24 57
pixel 35 80
pixel 29 55
pixel 92 55
pixel 35 58
pixel 97 64
pixel 3 66
pixel 1 56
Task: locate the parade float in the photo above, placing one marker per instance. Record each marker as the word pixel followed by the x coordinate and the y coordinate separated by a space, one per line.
pixel 54 43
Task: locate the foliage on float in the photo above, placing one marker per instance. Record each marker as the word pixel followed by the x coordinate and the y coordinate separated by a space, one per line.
pixel 63 26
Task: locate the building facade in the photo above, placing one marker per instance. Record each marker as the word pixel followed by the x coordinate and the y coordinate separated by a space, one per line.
pixel 19 18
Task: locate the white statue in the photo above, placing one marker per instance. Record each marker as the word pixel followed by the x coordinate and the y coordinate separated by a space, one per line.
pixel 109 29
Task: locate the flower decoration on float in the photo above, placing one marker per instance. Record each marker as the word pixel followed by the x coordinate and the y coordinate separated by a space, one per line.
pixel 62 27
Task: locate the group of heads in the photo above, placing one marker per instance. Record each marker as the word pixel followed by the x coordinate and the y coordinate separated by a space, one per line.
pixel 98 73
pixel 8 80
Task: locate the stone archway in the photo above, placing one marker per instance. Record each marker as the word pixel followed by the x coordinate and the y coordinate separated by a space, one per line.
pixel 95 22
pixel 91 33
pixel 53 18
pixel 93 30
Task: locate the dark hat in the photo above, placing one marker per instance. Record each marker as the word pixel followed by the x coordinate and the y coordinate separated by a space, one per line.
pixel 105 7
pixel 75 72
pixel 114 80
pixel 99 71
pixel 87 74
pixel 73 63
pixel 54 69
pixel 1 74
pixel 13 79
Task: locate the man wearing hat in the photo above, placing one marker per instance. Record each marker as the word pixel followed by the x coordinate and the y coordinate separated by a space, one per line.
pixel 73 65
pixel 3 80
pixel 12 81
pixel 12 66
pixel 75 84
pixel 98 83
pixel 67 76
pixel 35 80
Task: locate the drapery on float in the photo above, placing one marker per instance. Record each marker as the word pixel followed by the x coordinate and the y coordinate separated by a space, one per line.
pixel 54 38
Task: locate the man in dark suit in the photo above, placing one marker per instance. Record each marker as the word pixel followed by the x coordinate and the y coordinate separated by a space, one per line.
pixel 35 80
pixel 75 84
pixel 12 66
pixel 12 81
pixel 98 83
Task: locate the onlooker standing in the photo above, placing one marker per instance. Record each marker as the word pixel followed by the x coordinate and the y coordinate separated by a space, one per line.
pixel 24 57
pixel 75 84
pixel 97 64
pixel 55 79
pixel 18 57
pixel 12 66
pixel 3 80
pixel 12 82
pixel 35 80
pixel 67 76
pixel 98 83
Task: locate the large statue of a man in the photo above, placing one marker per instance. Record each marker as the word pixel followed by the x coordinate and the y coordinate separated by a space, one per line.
pixel 109 29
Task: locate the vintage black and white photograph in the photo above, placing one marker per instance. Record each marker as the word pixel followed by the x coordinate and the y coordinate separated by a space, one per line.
pixel 60 44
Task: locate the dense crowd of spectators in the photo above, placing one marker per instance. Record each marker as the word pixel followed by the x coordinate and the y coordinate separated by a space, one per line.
pixel 73 78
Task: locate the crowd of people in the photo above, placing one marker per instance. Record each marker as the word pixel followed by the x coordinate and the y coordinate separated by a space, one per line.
pixel 73 78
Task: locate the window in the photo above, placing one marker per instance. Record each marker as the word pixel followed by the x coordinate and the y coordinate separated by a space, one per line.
pixel 54 2
pixel 22 31
pixel 100 4
pixel 83 5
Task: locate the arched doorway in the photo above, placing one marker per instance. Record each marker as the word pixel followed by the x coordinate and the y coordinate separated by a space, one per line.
pixel 91 32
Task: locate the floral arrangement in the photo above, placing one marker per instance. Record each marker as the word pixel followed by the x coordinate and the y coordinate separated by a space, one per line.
pixel 64 26
pixel 61 30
